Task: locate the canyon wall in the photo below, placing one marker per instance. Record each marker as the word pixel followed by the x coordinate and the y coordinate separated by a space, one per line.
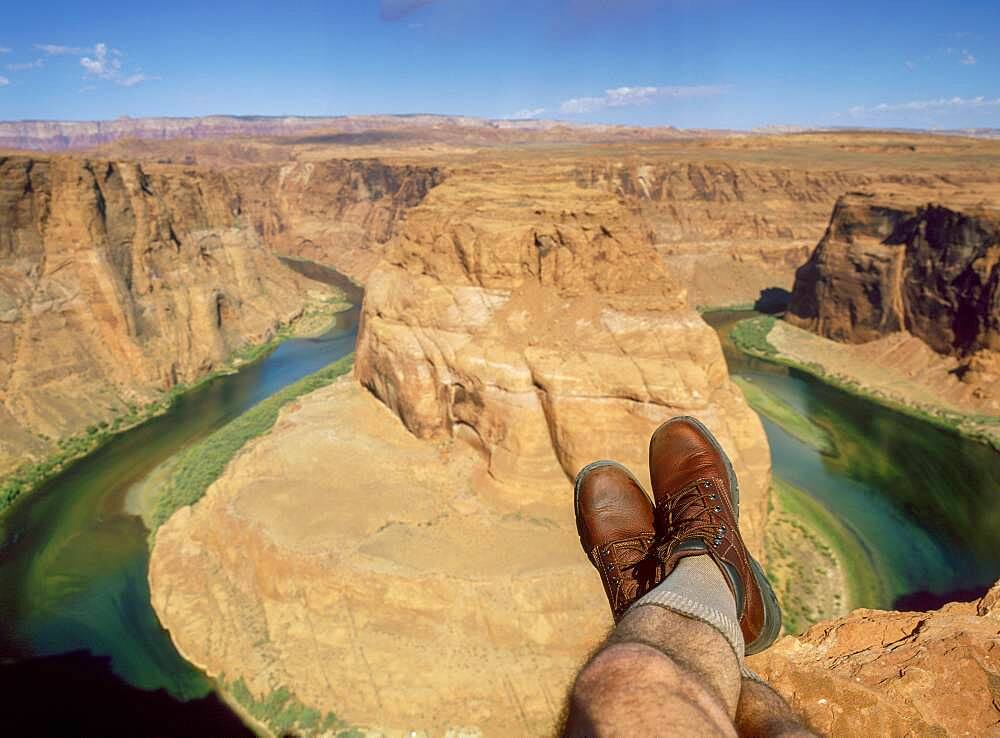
pixel 336 211
pixel 533 318
pixel 887 265
pixel 729 230
pixel 117 283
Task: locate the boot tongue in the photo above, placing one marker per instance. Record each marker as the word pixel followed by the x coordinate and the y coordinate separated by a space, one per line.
pixel 691 547
pixel 697 547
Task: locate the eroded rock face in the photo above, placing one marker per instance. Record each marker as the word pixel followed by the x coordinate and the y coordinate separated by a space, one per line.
pixel 116 284
pixel 336 211
pixel 533 319
pixel 885 265
pixel 895 673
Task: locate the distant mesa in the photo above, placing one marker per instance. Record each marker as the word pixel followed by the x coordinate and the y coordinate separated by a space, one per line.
pixel 347 130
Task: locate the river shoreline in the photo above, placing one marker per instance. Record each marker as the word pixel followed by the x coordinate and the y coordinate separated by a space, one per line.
pixel 751 337
pixel 315 318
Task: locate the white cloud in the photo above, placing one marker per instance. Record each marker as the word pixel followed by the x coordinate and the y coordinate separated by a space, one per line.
pixel 5 50
pixel 21 66
pixel 941 104
pixel 101 64
pixel 620 97
pixel 59 50
pixel 4 81
pixel 133 79
pixel 967 58
pixel 527 113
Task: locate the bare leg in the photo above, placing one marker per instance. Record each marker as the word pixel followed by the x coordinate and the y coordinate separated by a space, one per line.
pixel 762 713
pixel 659 674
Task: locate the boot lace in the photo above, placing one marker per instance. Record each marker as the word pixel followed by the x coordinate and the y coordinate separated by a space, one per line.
pixel 686 515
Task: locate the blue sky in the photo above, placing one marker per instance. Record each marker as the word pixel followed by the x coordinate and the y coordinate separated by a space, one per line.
pixel 688 63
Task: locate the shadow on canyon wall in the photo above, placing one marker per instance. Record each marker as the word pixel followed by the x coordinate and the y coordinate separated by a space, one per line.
pixel 772 300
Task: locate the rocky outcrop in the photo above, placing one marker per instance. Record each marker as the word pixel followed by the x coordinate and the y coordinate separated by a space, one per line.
pixel 895 674
pixel 732 227
pixel 336 211
pixel 117 283
pixel 886 265
pixel 534 320
pixel 517 328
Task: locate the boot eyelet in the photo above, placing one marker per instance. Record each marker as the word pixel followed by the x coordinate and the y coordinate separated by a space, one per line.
pixel 717 508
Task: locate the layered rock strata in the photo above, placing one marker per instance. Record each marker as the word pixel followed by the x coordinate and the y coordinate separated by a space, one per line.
pixel 885 265
pixel 336 211
pixel 895 673
pixel 116 284
pixel 411 562
pixel 534 319
pixel 731 229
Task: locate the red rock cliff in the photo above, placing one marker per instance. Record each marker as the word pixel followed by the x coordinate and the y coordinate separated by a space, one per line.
pixel 885 265
pixel 117 283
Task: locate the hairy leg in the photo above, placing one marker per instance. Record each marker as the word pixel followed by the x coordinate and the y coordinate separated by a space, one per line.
pixel 763 713
pixel 660 673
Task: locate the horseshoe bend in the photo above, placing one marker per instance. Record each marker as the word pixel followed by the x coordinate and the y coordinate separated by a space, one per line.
pixel 391 541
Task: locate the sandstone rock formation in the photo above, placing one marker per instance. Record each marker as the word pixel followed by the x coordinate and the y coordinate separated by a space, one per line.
pixel 410 562
pixel 426 574
pixel 117 283
pixel 534 319
pixel 730 228
pixel 335 211
pixel 885 266
pixel 895 674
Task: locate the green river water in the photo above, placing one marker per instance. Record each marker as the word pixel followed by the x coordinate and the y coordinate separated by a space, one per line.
pixel 77 631
pixel 76 623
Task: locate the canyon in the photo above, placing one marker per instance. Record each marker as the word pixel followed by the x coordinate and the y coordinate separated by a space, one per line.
pixel 912 287
pixel 521 328
pixel 116 284
pixel 399 549
pixel 120 280
pixel 888 264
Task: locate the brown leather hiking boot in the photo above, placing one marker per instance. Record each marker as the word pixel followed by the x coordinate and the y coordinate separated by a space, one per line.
pixel 614 518
pixel 698 511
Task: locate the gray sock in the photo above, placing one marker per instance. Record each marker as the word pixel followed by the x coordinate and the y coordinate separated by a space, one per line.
pixel 697 589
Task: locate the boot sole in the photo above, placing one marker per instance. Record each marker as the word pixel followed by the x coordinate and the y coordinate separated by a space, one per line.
pixel 772 610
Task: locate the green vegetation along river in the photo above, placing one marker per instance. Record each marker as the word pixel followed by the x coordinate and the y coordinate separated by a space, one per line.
pixel 80 645
pixel 916 503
